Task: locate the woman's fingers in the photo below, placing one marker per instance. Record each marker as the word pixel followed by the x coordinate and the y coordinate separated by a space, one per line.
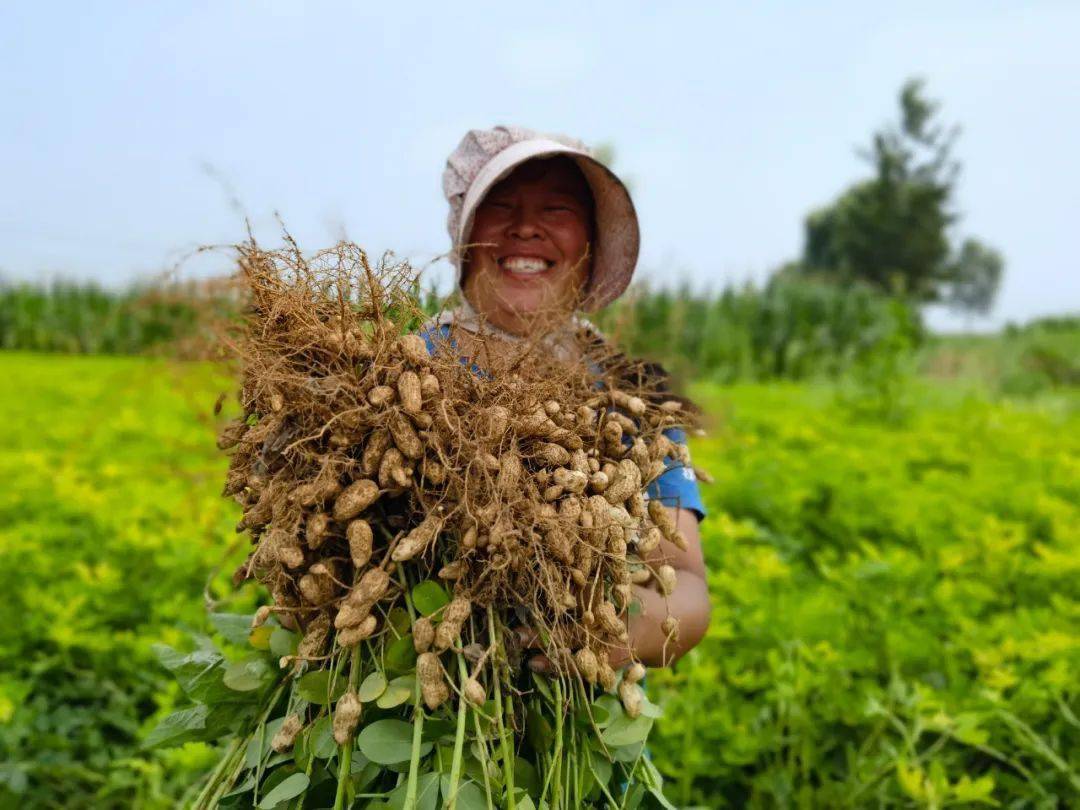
pixel 527 637
pixel 620 655
pixel 541 665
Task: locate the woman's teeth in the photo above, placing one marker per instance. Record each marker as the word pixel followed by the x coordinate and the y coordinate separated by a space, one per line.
pixel 526 265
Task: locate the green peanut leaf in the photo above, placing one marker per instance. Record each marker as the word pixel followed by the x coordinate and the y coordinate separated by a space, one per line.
pixel 626 731
pixel 650 709
pixel 233 627
pixel 363 773
pixel 399 620
pixel 525 776
pixel 429 596
pixel 243 787
pixel 427 793
pixel 371 687
pixel 388 742
pixel 401 654
pixel 259 638
pixel 469 794
pixel 283 642
pixel 538 730
pixel 247 675
pixel 398 691
pixel 605 709
pixel 259 746
pixel 599 767
pixel 322 738
pixel 627 753
pixel 289 788
pixel 198 672
pixel 178 727
pixel 314 687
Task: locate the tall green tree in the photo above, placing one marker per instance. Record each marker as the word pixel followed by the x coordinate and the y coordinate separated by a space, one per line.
pixel 892 231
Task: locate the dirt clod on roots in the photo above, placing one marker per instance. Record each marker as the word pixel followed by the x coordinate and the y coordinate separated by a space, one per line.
pixel 360 451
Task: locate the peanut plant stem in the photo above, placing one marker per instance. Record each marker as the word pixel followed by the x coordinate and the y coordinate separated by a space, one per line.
pixel 414 758
pixel 484 762
pixel 345 751
pixel 344 768
pixel 459 738
pixel 551 779
pixel 418 713
pixel 507 748
pixel 212 783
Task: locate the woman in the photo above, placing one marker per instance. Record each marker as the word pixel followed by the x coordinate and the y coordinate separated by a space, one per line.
pixel 540 230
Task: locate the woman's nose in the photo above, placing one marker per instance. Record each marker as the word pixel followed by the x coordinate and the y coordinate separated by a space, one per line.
pixel 524 224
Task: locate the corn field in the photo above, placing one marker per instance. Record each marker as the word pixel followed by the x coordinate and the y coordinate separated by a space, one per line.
pixel 786 330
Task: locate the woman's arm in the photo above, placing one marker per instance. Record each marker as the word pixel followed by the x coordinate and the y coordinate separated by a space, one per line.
pixel 688 603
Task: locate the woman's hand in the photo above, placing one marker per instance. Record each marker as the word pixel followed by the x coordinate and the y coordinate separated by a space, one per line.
pixel 688 604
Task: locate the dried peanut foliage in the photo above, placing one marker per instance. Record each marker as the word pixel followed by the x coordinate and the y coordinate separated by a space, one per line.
pixel 400 500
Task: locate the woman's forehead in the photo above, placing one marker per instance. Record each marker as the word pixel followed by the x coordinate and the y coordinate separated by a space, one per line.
pixel 560 174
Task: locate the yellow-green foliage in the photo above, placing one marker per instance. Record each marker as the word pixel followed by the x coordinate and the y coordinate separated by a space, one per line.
pixel 895 608
pixel 1019 361
pixel 896 612
pixel 110 523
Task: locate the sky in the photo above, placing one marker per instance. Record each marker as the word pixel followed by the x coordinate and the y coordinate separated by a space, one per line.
pixel 133 133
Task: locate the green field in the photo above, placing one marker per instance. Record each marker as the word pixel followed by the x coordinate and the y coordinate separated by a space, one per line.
pixel 896 606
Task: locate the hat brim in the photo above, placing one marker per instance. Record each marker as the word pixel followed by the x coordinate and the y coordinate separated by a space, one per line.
pixel 618 237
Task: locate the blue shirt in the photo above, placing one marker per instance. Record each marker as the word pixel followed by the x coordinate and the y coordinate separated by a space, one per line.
pixel 676 486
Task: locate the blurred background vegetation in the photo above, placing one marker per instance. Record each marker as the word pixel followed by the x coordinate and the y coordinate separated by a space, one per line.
pixel 871 260
pixel 893 540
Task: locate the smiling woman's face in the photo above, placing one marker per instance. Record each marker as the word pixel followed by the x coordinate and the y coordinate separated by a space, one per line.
pixel 530 235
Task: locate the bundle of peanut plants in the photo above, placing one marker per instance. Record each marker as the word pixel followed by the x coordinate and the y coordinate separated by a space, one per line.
pixel 409 513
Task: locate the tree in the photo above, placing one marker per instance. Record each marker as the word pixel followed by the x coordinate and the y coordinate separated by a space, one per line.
pixel 892 230
pixel 974 278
